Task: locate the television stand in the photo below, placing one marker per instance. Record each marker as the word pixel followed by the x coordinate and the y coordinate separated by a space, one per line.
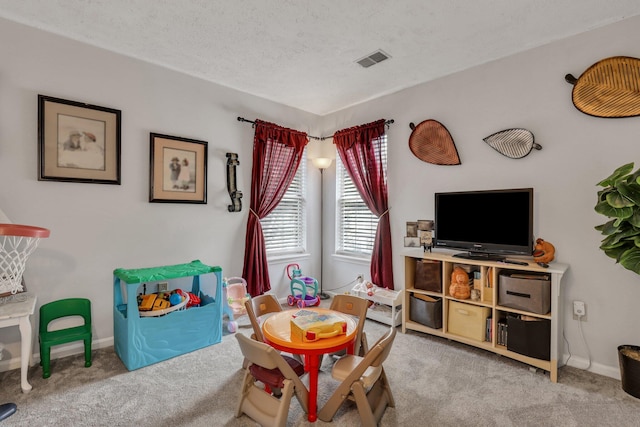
pixel 479 256
pixel 465 320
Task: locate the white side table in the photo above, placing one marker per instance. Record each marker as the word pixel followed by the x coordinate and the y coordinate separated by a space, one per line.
pixel 15 311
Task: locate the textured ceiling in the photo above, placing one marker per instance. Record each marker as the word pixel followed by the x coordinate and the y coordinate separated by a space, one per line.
pixel 302 53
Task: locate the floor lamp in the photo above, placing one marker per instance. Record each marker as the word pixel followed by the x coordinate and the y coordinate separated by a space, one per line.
pixel 322 163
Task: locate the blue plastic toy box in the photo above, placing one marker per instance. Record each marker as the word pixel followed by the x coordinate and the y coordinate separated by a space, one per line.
pixel 139 340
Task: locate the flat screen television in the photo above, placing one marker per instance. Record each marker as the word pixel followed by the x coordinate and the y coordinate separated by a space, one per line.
pixel 488 224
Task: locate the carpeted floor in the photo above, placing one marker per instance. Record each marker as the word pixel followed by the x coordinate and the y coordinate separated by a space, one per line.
pixel 436 382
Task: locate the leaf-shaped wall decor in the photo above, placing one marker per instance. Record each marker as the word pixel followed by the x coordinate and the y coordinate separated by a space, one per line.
pixel 431 142
pixel 513 143
pixel 609 88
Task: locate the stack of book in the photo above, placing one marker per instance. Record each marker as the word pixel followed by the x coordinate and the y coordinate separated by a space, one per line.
pixel 501 336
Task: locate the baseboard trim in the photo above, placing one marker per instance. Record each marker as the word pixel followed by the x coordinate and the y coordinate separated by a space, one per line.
pixel 596 368
pixel 56 353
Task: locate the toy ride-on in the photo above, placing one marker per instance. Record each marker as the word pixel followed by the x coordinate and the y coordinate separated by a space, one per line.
pixel 235 289
pixel 304 289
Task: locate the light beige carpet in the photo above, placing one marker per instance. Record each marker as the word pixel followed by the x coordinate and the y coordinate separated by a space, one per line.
pixel 436 382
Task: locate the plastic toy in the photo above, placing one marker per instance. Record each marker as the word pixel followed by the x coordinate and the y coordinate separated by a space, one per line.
pixel 235 290
pixel 175 299
pixel 192 299
pixel 145 302
pixel 166 302
pixel 161 304
pixel 141 341
pixel 371 289
pixel 459 287
pixel 304 289
pixel 313 327
pixel 543 253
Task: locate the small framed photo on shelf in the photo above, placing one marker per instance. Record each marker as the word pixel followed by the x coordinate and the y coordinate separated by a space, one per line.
pixel 426 237
pixel 78 142
pixel 178 170
pixel 425 224
pixel 411 242
pixel 412 229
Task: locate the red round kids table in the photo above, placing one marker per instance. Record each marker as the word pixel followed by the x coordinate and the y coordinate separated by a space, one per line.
pixel 277 333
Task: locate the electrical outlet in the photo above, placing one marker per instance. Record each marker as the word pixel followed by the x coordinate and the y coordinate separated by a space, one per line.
pixel 579 310
pixel 163 287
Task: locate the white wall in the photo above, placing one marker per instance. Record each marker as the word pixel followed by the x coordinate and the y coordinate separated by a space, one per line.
pixel 97 228
pixel 529 91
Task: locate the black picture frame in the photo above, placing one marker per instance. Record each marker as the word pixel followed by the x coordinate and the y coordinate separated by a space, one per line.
pixel 169 157
pixel 78 142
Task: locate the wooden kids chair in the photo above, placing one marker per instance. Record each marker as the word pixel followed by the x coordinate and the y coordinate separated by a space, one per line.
pixel 56 310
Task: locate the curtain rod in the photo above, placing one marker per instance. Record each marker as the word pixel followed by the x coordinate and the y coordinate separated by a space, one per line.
pixel 319 138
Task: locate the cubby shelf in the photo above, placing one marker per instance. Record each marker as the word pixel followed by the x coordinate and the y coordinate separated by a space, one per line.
pixel 488 284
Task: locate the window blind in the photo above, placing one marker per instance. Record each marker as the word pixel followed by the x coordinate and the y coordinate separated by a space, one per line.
pixel 356 225
pixel 284 228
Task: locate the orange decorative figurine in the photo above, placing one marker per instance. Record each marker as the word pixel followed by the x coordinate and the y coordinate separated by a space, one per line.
pixel 459 287
pixel 543 253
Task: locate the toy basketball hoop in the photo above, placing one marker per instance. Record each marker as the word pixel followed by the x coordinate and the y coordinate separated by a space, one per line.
pixel 17 242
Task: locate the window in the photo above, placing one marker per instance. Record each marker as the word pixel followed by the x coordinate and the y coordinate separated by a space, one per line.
pixel 284 228
pixel 356 225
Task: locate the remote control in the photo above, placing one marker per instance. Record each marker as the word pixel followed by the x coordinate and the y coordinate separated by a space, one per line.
pixel 509 261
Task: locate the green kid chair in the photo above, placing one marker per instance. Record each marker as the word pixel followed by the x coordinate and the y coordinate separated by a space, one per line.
pixel 55 310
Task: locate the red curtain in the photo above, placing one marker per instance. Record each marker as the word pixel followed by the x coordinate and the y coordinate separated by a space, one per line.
pixel 277 152
pixel 359 150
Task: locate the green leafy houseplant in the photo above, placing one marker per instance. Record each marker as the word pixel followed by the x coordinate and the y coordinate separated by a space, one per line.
pixel 620 200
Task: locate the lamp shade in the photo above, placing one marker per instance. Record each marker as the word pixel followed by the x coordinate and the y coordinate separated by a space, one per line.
pixel 321 162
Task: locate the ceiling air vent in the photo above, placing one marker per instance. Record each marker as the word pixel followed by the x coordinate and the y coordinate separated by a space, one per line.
pixel 372 59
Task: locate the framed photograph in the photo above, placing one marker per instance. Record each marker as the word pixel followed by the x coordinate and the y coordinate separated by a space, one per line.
pixel 178 170
pixel 425 224
pixel 412 229
pixel 426 237
pixel 411 242
pixel 78 142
